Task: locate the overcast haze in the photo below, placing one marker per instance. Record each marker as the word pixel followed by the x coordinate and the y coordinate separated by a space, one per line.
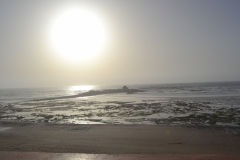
pixel 149 42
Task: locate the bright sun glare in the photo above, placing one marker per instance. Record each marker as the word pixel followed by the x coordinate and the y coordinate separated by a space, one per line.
pixel 82 88
pixel 78 34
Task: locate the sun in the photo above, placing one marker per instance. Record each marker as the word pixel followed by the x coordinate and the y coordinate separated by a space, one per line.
pixel 78 34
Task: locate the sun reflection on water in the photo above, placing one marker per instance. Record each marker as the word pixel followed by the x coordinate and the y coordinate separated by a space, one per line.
pixel 81 88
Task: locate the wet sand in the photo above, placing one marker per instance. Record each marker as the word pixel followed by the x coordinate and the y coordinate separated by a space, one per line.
pixel 117 139
pixel 74 156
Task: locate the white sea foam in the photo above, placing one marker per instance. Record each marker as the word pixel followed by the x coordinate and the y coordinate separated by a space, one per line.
pixel 210 104
pixel 3 129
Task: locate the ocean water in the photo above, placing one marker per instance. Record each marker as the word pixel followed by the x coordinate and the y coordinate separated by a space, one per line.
pixel 193 104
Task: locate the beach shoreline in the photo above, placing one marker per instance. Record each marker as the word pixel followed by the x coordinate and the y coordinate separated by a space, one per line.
pixel 70 156
pixel 116 139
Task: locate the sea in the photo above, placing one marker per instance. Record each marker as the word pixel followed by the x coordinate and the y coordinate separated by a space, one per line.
pixel 215 104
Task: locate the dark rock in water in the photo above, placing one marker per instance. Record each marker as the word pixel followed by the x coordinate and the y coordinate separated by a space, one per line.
pixel 125 88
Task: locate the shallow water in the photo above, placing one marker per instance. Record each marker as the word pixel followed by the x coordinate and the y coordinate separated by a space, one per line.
pixel 196 104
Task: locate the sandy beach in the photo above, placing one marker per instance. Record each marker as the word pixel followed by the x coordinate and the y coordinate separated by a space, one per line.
pixel 117 139
pixel 73 156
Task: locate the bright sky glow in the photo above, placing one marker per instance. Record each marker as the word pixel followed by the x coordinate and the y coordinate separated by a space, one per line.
pixel 77 34
pixel 65 42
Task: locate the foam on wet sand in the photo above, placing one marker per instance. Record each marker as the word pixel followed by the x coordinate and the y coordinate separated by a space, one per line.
pixel 2 129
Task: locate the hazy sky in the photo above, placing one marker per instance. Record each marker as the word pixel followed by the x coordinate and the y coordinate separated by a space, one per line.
pixel 149 42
